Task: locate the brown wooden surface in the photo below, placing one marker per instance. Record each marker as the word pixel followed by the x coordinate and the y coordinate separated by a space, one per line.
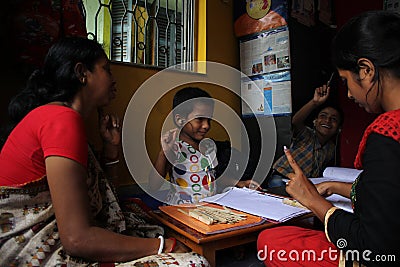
pixel 207 245
pixel 173 211
pixel 201 238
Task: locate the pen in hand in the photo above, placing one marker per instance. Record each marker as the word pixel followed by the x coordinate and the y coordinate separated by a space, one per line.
pixel 330 80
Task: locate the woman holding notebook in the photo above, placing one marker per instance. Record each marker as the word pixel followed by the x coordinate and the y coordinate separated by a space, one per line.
pixel 367 56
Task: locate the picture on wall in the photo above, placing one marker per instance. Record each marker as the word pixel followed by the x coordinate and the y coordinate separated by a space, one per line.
pixel 254 16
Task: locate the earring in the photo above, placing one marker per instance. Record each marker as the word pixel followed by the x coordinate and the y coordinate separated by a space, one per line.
pixel 314 122
pixel 84 80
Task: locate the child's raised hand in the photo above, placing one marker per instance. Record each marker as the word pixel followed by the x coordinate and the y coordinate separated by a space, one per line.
pixel 321 94
pixel 168 139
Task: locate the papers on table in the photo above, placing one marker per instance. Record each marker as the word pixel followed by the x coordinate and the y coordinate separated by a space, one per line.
pixel 257 203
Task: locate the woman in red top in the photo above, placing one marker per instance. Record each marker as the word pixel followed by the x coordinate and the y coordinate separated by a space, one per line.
pixel 56 206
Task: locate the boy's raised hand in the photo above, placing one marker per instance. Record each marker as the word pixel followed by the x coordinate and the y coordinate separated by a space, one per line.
pixel 321 94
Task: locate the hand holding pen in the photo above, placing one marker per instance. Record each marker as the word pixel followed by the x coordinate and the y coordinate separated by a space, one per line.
pixel 321 93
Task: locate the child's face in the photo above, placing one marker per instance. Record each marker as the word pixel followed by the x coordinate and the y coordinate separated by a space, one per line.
pixel 327 122
pixel 198 123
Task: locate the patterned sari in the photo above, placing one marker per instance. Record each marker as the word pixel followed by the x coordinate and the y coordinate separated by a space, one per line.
pixel 29 235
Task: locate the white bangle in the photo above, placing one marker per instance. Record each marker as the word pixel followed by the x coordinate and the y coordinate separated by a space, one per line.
pixel 111 162
pixel 161 248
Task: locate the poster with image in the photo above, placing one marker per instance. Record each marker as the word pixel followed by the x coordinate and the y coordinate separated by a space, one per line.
pixel 253 96
pixel 268 94
pixel 254 16
pixel 268 50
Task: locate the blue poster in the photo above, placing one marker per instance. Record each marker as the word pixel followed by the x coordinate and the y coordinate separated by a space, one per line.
pixel 267 94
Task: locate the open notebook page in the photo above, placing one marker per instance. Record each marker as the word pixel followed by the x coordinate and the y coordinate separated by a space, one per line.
pixel 339 174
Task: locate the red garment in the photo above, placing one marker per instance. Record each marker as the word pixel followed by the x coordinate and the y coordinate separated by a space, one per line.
pixel 48 130
pixel 296 246
pixel 386 125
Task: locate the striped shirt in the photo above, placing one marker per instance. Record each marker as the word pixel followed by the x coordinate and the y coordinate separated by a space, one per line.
pixel 308 153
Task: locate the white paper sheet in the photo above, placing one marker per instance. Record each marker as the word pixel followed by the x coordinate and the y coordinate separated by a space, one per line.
pixel 341 174
pixel 340 202
pixel 338 174
pixel 256 203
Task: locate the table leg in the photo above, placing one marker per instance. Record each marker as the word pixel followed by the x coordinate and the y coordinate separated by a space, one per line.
pixel 208 251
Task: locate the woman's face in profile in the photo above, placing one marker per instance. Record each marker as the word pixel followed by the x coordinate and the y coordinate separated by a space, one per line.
pixel 362 91
pixel 101 83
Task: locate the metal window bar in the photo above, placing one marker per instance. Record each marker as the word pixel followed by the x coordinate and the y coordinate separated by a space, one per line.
pixel 150 32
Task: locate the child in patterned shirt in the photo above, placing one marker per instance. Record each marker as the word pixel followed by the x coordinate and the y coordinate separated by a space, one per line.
pixel 191 159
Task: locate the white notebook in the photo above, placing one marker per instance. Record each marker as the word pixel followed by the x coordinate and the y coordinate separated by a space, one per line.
pixel 338 174
pixel 256 203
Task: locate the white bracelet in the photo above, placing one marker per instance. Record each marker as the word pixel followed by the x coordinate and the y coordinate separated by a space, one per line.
pixel 111 162
pixel 161 248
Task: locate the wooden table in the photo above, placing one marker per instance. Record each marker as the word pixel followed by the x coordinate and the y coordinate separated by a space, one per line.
pixel 207 245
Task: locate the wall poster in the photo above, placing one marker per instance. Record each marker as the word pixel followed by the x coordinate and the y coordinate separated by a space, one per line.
pixel 254 16
pixel 267 94
pixel 265 59
pixel 261 26
pixel 265 52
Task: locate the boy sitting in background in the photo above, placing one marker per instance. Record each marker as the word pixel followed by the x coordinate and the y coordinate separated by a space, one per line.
pixel 313 149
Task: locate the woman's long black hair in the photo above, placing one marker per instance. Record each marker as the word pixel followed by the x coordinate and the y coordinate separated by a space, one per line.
pixel 373 35
pixel 57 80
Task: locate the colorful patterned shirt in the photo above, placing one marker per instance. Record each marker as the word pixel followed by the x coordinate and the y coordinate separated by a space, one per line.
pixel 192 175
pixel 308 153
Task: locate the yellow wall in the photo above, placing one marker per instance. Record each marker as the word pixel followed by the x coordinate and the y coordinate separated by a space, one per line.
pixel 222 47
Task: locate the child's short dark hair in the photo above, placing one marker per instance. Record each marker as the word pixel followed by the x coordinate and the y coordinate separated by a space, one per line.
pixel 186 94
